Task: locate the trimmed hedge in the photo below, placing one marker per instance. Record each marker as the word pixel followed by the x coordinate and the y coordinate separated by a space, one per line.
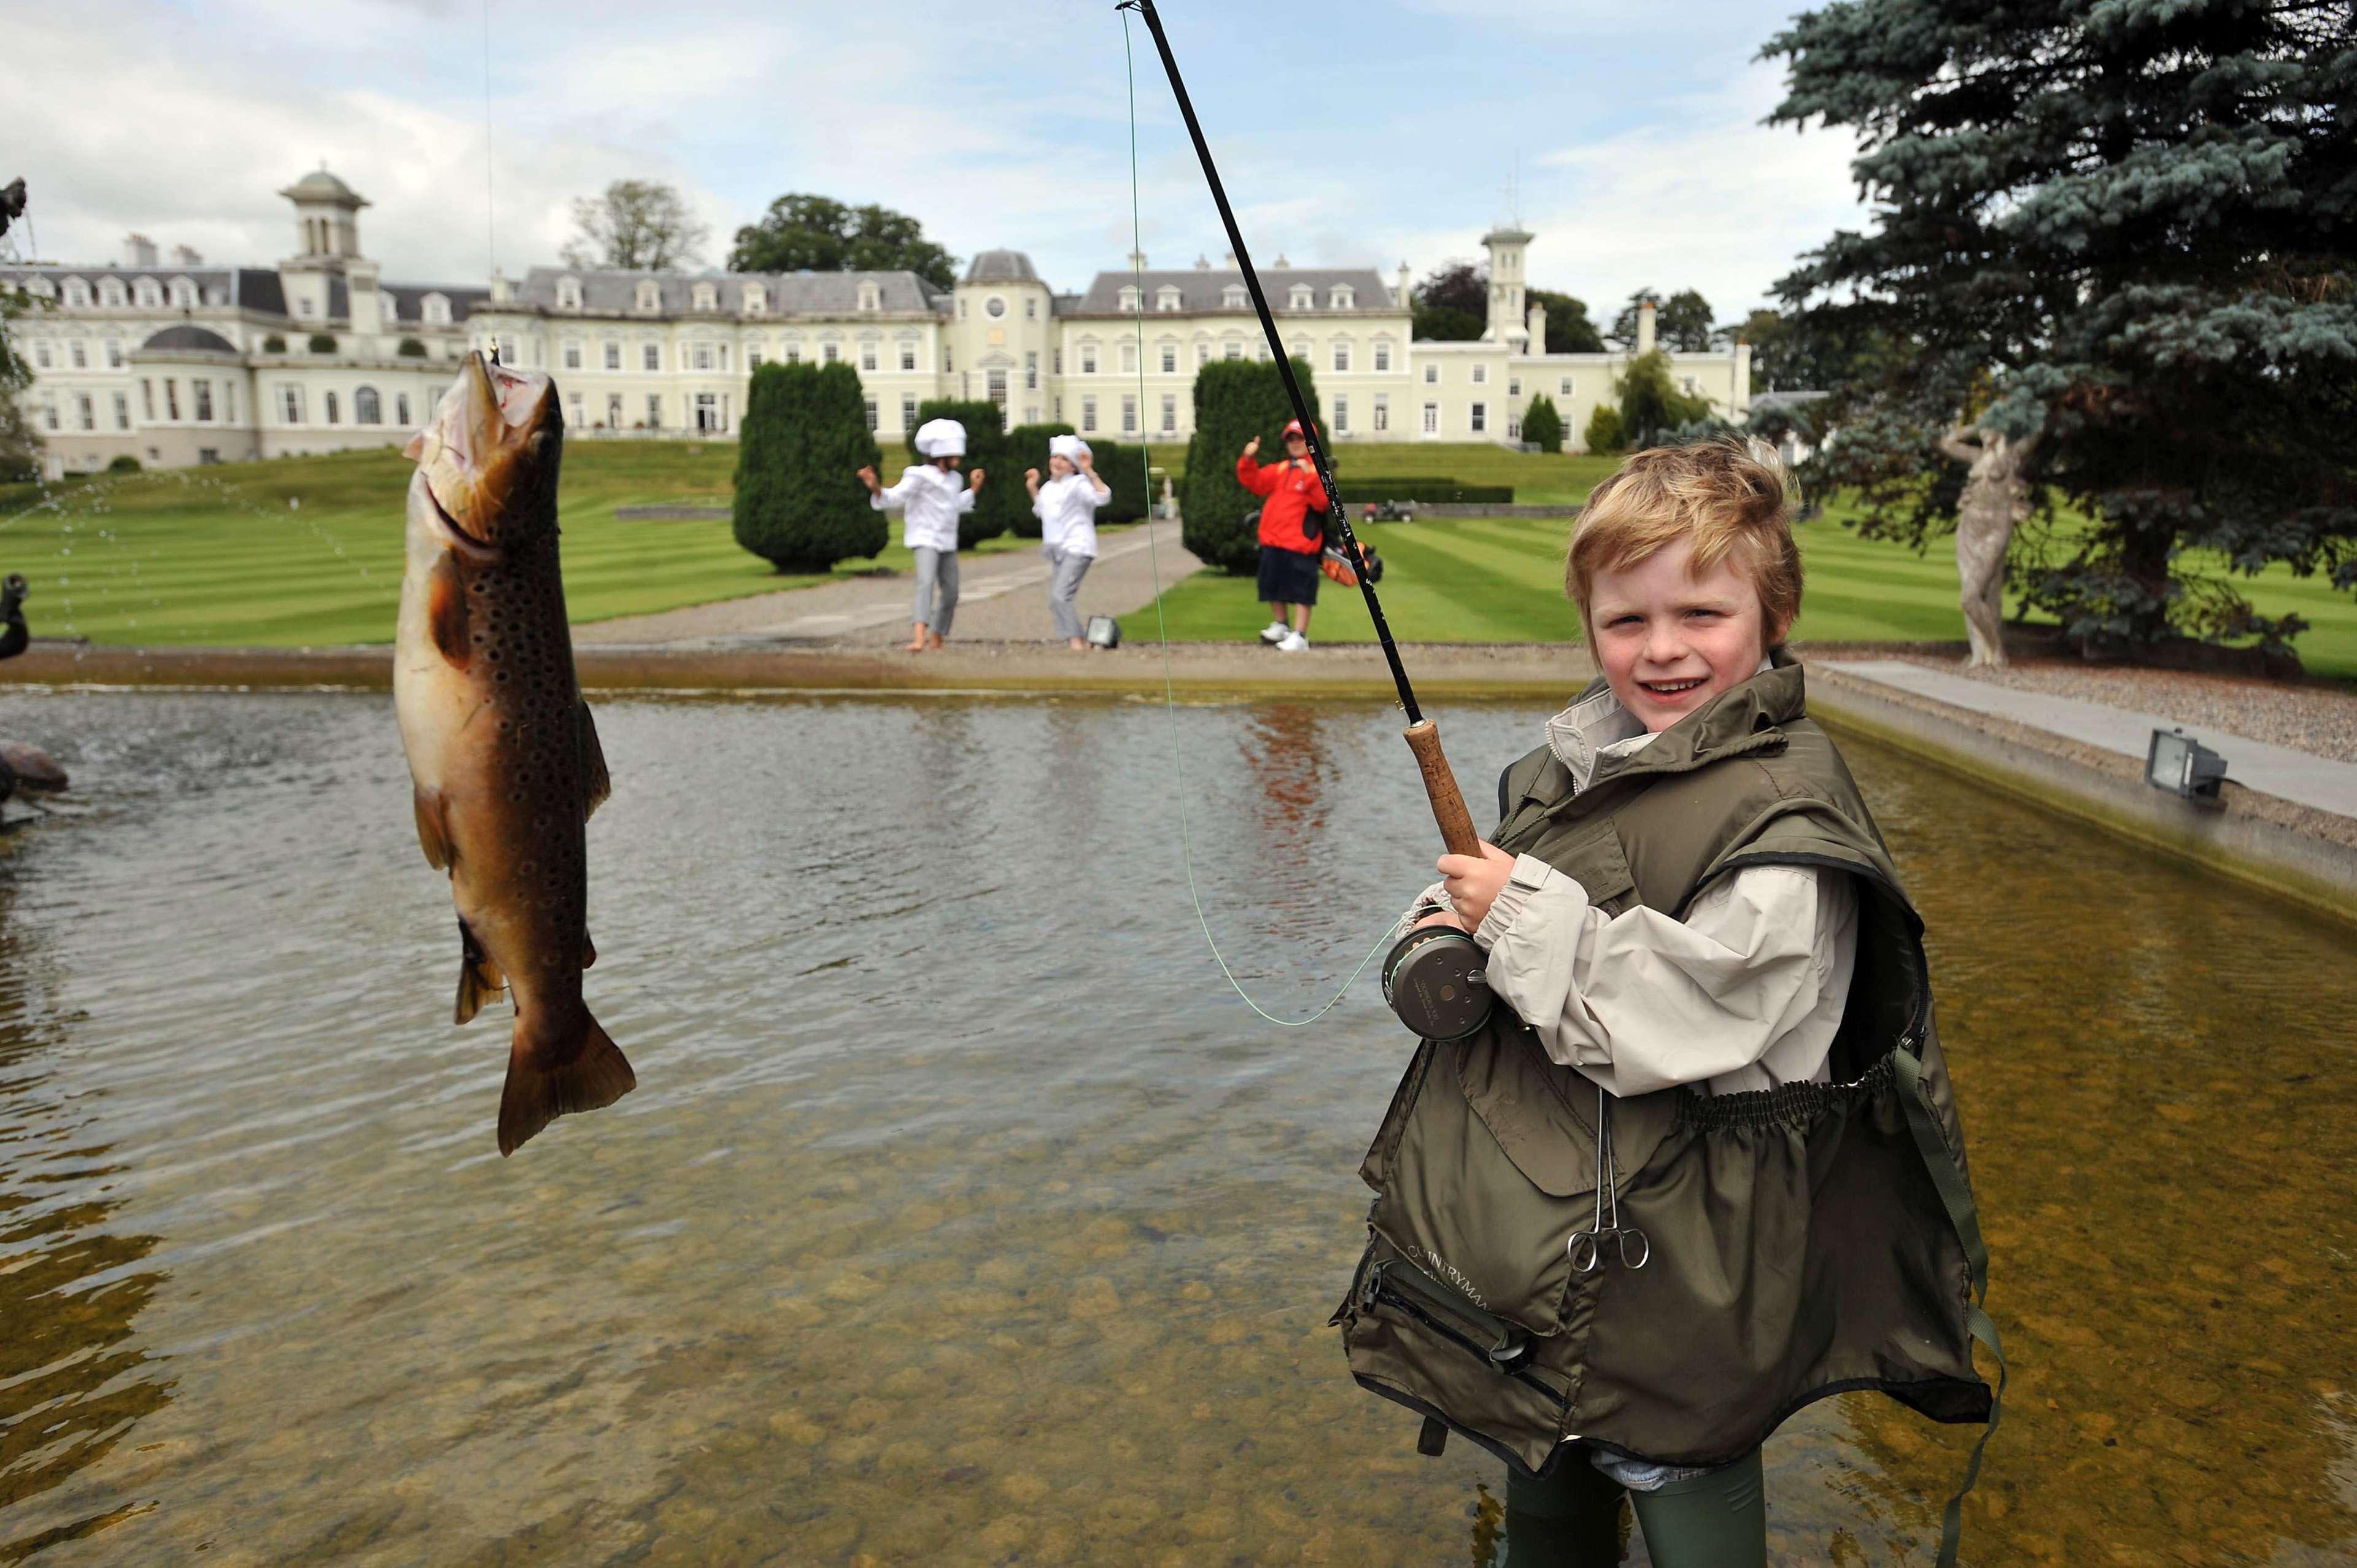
pixel 798 504
pixel 1235 399
pixel 1000 505
pixel 1123 468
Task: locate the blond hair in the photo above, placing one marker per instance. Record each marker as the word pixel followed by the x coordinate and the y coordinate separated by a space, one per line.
pixel 1732 497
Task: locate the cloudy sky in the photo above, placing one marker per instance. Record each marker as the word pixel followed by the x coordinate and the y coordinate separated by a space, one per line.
pixel 1349 132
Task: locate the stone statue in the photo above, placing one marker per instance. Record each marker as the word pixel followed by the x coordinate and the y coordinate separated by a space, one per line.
pixel 1996 499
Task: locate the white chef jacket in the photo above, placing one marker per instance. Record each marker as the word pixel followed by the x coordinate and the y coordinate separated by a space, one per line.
pixel 931 501
pixel 1746 993
pixel 1067 510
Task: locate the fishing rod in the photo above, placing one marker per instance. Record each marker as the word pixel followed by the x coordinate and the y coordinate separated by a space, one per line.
pixel 1423 737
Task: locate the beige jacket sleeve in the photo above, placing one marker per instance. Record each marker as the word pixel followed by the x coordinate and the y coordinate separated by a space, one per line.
pixel 1745 993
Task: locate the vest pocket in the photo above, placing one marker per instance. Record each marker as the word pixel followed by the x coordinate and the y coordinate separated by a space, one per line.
pixel 1484 1201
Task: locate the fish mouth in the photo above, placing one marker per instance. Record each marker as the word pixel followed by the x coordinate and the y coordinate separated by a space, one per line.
pixel 479 550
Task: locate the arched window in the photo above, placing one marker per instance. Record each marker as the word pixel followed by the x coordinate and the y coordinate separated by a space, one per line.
pixel 327 402
pixel 365 407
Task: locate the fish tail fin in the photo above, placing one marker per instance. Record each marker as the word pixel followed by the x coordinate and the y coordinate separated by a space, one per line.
pixel 556 1070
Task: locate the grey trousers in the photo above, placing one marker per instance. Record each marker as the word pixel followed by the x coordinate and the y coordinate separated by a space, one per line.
pixel 937 587
pixel 1064 575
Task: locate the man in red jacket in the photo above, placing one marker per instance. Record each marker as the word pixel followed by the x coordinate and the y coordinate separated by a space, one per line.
pixel 1290 490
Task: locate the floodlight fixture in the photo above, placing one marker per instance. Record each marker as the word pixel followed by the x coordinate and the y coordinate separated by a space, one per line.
pixel 2176 762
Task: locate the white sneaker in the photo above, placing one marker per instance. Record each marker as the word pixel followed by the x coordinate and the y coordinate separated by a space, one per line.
pixel 1294 642
pixel 1274 632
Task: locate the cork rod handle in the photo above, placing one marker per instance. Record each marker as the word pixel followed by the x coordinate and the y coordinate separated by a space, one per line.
pixel 1441 786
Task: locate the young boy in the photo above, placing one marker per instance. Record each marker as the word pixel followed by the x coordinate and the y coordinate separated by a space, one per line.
pixel 1702 1164
pixel 1289 491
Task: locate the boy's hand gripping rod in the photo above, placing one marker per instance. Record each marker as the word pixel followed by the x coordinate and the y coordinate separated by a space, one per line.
pixel 1422 738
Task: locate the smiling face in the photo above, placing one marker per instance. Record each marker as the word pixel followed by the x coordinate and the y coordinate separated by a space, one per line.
pixel 1059 467
pixel 1668 641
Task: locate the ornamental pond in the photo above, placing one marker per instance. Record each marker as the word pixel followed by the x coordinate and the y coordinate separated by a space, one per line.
pixel 963 1214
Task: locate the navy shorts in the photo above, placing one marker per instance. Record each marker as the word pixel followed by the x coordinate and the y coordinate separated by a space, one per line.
pixel 1288 577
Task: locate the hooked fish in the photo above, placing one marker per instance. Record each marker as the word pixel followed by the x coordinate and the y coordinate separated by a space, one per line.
pixel 502 751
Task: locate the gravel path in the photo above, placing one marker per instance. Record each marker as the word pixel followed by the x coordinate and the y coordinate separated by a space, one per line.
pixel 2319 719
pixel 1002 597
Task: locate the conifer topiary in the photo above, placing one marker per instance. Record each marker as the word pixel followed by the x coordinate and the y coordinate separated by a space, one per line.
pixel 1001 503
pixel 1605 438
pixel 800 504
pixel 1542 426
pixel 1235 399
pixel 1123 468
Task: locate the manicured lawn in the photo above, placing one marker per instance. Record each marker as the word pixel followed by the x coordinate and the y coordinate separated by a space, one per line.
pixel 214 556
pixel 1501 580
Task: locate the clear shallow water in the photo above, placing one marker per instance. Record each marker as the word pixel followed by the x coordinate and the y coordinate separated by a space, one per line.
pixel 962 1215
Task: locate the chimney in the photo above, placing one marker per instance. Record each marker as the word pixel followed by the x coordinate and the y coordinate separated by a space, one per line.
pixel 1645 327
pixel 138 250
pixel 187 256
pixel 1538 328
pixel 1401 294
pixel 1228 259
pixel 1203 262
pixel 1280 263
pixel 500 292
pixel 1137 261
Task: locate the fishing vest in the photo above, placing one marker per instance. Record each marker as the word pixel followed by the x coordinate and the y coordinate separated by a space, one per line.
pixel 1804 1241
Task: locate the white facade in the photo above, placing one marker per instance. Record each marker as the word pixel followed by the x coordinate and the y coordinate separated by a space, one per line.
pixel 183 363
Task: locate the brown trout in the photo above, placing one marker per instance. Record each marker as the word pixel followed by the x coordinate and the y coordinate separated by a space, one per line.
pixel 502 749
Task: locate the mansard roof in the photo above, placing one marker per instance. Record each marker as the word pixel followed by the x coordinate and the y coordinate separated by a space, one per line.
pixel 409 298
pixel 613 293
pixel 1204 288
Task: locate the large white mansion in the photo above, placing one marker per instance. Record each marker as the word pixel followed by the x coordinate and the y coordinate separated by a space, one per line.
pixel 183 363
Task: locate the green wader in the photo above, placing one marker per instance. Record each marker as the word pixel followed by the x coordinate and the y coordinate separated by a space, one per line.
pixel 1806 1240
pixel 1571 1519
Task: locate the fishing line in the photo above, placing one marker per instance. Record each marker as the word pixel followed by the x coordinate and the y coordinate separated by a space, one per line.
pixel 1154 561
pixel 491 232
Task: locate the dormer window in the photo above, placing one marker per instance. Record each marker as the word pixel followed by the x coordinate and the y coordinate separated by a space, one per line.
pixel 435 309
pixel 568 293
pixel 184 294
pixel 76 293
pixel 39 289
pixel 757 299
pixel 649 296
pixel 1167 299
pixel 1129 297
pixel 871 297
pixel 149 297
pixel 1301 296
pixel 1341 298
pixel 388 309
pixel 707 297
pixel 1232 297
pixel 110 293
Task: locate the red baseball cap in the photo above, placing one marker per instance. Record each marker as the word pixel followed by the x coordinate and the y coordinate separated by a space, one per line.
pixel 1293 427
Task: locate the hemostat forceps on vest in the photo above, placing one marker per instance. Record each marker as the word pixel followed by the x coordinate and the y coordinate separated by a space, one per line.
pixel 1587 1247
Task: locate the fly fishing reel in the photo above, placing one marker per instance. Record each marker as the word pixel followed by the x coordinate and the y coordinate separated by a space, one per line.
pixel 1437 979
